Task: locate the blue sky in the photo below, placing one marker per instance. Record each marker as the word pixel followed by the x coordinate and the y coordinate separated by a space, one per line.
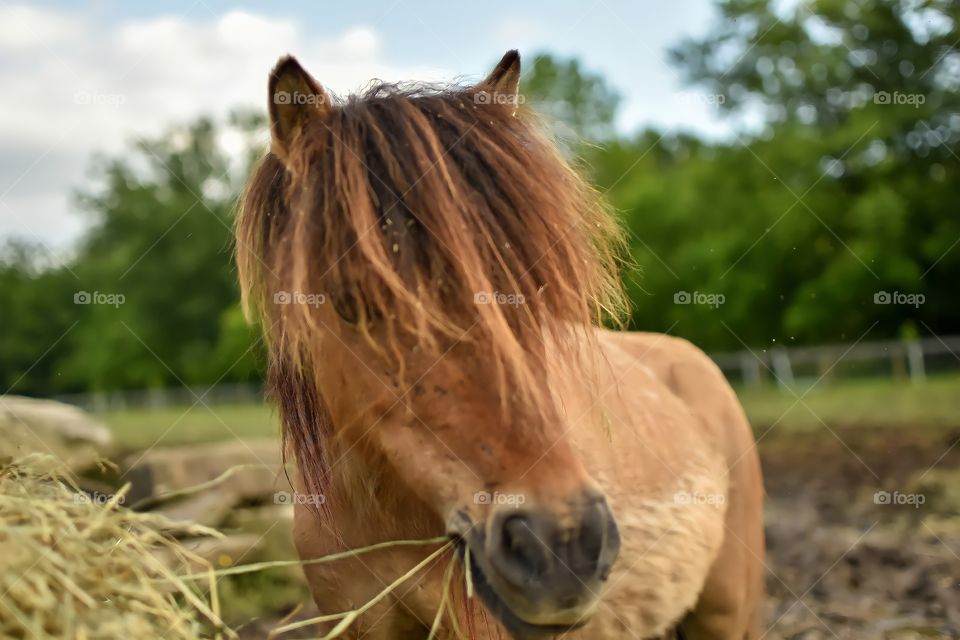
pixel 103 72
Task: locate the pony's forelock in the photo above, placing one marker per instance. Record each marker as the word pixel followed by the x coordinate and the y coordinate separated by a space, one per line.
pixel 437 218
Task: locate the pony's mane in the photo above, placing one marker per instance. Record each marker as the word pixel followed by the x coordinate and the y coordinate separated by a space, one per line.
pixel 408 208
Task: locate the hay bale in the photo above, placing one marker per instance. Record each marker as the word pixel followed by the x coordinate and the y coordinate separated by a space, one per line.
pixel 71 567
pixel 30 425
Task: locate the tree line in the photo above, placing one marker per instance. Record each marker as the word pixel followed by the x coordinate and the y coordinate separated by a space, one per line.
pixel 831 215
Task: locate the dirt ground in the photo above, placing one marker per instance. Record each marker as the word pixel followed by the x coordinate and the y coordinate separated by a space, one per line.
pixel 845 561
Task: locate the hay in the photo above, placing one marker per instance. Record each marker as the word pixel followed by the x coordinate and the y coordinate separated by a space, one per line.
pixel 468 574
pixel 71 567
pixel 347 618
pixel 446 603
pixel 349 553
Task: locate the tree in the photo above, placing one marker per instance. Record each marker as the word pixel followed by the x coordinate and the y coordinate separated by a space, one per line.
pixel 36 318
pixel 161 244
pixel 845 192
pixel 579 104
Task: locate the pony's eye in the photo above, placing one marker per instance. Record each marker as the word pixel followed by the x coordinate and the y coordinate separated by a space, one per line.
pixel 346 306
pixel 351 307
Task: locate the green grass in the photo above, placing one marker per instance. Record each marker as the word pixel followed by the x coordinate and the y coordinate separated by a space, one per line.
pixel 855 403
pixel 874 402
pixel 141 428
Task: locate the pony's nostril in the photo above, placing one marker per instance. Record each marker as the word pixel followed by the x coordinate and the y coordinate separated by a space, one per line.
pixel 528 548
pixel 591 539
pixel 523 555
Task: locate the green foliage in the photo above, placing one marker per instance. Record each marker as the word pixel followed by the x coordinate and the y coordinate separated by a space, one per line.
pixel 36 317
pixel 577 103
pixel 156 271
pixel 848 189
pixel 161 238
pixel 843 186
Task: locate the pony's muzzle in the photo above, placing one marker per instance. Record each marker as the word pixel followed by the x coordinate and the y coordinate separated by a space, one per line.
pixel 549 567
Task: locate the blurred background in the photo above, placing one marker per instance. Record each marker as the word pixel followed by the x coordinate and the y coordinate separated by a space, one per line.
pixel 787 173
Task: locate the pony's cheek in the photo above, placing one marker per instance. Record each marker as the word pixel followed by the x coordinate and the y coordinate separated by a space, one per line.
pixel 428 467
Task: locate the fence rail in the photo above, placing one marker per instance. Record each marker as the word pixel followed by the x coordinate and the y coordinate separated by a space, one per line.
pixel 787 366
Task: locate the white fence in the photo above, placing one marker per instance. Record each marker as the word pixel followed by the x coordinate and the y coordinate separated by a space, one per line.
pixel 911 360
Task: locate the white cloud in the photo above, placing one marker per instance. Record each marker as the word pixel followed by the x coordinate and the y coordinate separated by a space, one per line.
pixel 73 87
pixel 26 28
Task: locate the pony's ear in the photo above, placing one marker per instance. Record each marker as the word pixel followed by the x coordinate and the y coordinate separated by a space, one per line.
pixel 295 99
pixel 505 77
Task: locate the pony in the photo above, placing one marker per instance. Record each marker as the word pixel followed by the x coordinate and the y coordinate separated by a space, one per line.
pixel 433 278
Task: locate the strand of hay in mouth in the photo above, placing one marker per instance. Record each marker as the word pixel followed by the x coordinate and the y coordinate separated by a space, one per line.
pixel 349 617
pixel 71 567
pixel 451 607
pixel 350 553
pixel 446 604
pixel 468 573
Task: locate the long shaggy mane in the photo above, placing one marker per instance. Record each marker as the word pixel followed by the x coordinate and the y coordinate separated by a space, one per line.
pixel 409 209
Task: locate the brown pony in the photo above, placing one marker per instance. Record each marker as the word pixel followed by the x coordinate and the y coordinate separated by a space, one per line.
pixel 431 276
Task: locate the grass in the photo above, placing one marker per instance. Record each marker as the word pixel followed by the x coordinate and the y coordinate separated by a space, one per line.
pixel 141 428
pixel 873 402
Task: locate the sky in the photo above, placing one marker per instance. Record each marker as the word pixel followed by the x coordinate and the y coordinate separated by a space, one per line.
pixel 86 78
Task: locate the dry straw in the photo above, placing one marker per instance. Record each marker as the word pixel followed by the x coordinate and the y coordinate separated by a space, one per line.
pixel 73 567
pixel 76 567
pixel 349 617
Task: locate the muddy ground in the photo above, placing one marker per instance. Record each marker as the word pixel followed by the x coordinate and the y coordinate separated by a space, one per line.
pixel 845 561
